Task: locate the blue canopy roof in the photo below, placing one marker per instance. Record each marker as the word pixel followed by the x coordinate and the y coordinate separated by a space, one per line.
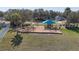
pixel 49 22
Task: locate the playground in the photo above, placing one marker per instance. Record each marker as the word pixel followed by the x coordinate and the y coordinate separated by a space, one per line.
pixel 47 26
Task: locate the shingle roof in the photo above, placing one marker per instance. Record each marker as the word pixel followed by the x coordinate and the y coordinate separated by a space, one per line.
pixel 59 18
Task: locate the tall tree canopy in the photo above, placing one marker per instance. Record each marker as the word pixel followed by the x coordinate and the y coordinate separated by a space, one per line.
pixel 14 18
pixel 22 15
pixel 67 12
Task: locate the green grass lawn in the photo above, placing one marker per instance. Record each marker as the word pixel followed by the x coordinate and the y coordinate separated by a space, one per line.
pixel 69 40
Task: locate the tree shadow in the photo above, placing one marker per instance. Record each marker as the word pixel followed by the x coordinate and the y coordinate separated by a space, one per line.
pixel 16 41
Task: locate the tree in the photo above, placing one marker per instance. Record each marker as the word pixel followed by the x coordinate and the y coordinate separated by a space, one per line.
pixel 1 14
pixel 26 15
pixel 39 14
pixel 47 14
pixel 66 14
pixel 14 18
pixel 53 14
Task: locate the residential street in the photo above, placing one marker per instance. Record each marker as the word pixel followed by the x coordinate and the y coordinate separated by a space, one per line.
pixel 4 30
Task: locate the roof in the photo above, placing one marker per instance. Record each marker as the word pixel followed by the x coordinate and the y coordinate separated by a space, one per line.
pixel 49 22
pixel 59 18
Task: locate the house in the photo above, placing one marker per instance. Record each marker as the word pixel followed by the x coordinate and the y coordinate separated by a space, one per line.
pixel 3 22
pixel 61 21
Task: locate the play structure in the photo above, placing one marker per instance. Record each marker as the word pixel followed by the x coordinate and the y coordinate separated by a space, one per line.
pixel 50 24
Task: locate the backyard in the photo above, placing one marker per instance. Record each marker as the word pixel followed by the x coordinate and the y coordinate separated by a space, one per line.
pixel 40 30
pixel 69 40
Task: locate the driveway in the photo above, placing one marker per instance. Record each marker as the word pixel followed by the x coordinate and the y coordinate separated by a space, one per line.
pixel 4 30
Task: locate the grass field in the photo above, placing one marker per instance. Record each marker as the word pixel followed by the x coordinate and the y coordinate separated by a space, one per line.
pixel 68 41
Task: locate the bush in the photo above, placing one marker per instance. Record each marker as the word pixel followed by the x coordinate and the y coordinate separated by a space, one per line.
pixel 0 27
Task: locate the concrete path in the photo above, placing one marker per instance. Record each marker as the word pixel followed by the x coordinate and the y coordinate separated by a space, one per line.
pixel 4 30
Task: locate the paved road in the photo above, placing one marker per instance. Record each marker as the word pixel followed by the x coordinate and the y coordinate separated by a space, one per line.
pixel 4 30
